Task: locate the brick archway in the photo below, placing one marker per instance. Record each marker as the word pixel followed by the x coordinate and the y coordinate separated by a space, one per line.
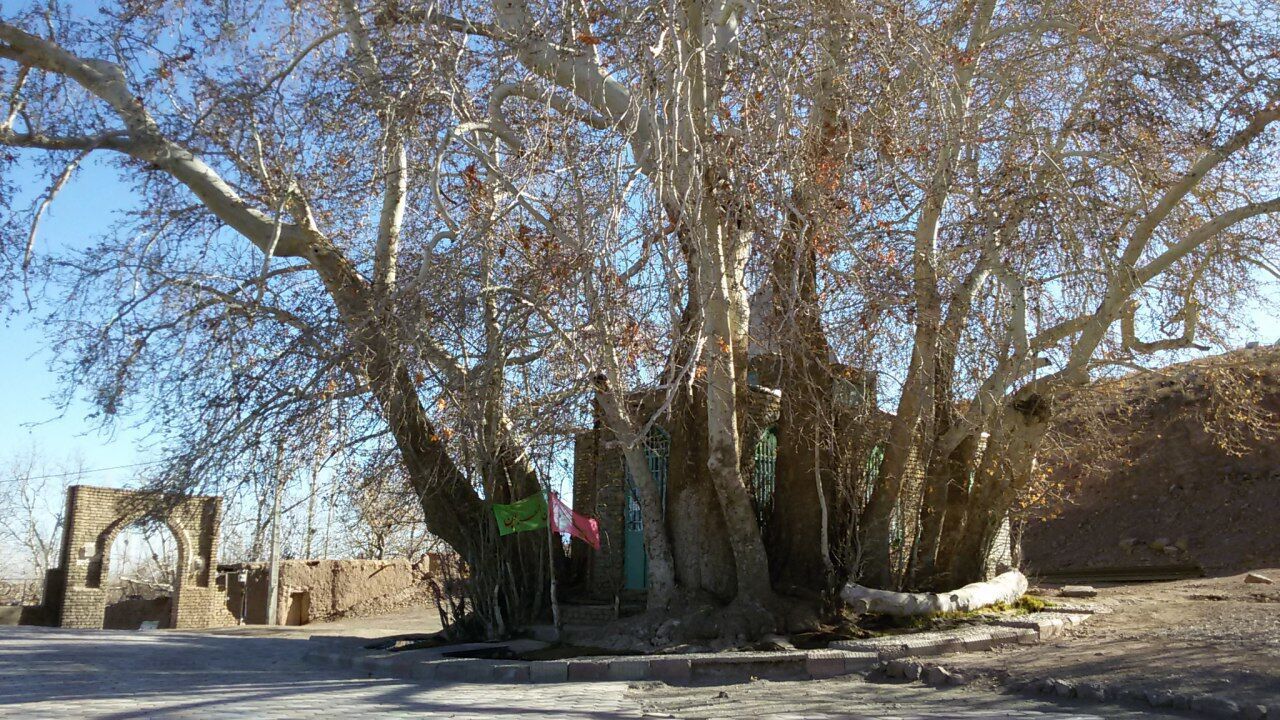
pixel 96 516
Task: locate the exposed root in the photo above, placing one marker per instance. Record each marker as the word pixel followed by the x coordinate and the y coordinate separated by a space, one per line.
pixel 1004 588
pixel 705 625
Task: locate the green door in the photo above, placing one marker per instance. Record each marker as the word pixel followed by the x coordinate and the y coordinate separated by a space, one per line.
pixel 764 473
pixel 635 564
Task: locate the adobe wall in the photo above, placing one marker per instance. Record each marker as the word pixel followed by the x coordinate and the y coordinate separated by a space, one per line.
pixel 1173 496
pixel 333 588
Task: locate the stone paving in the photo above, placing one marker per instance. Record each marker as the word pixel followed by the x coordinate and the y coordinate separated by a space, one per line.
pixel 850 699
pixel 66 674
pixel 46 673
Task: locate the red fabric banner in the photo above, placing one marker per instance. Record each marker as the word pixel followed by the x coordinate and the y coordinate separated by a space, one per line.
pixel 564 519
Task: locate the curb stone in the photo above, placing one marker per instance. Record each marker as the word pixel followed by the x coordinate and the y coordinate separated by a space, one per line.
pixel 672 669
pixel 1026 630
pixel 1205 705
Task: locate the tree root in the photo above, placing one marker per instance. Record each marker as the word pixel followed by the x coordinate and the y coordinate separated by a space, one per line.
pixel 1006 587
pixel 702 625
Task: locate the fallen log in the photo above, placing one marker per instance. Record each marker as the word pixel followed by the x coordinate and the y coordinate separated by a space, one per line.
pixel 1006 587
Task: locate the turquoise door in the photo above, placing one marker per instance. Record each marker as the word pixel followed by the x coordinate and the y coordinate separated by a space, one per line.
pixel 764 475
pixel 635 564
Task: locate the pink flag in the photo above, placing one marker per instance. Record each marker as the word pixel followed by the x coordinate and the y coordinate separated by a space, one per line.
pixel 564 519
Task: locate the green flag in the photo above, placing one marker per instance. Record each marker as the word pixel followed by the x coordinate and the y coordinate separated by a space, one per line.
pixel 527 514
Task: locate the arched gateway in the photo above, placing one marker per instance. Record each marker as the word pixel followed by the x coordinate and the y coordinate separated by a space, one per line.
pixel 95 516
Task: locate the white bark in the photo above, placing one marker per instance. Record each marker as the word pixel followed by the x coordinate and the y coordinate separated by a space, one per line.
pixel 1005 588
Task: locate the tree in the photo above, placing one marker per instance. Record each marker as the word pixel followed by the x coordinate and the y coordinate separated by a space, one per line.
pixel 461 217
pixel 32 499
pixel 1059 208
pixel 299 328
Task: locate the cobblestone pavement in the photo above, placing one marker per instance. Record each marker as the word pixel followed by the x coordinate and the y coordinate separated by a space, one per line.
pixel 854 699
pixel 64 674
pixel 67 674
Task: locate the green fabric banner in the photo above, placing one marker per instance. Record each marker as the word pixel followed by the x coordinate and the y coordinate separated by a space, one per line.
pixel 527 514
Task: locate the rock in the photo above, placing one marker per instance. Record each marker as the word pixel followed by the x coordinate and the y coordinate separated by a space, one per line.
pixel 1183 544
pixel 1257 579
pixel 1078 591
pixel 1159 544
pixel 1128 544
pixel 1214 706
pixel 1254 712
pixel 912 671
pixel 896 668
pixel 1130 695
pixel 1091 691
pixel 937 675
pixel 1159 698
pixel 1171 550
pixel 1063 689
pixel 774 642
pixel 958 679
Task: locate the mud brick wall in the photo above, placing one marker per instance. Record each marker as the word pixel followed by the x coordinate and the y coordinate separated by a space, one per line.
pixel 328 589
pixel 1170 494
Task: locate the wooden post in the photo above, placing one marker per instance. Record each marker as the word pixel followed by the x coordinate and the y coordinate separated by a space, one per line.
pixel 551 558
pixel 273 575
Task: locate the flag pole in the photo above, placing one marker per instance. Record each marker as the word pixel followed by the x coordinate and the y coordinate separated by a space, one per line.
pixel 551 560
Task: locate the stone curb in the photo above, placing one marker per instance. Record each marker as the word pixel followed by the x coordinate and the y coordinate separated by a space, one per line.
pixel 1025 630
pixel 712 668
pixel 1213 706
pixel 846 657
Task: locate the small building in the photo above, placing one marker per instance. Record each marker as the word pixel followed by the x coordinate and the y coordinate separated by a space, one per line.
pixel 602 486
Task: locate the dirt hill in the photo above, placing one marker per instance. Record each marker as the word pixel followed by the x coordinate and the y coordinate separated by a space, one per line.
pixel 1169 467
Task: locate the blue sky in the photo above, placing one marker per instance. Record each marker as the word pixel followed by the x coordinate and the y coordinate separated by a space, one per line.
pixel 29 415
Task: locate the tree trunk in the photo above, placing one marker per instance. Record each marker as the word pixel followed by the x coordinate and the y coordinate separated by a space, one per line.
pixel 946 484
pixel 799 554
pixel 876 524
pixel 700 541
pixel 799 529
pixel 723 317
pixel 1006 588
pixel 1007 465
pixel 510 574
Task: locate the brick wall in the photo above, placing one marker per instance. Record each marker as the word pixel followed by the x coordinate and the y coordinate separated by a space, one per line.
pixel 96 516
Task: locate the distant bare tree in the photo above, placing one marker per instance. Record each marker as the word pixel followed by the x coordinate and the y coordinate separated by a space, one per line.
pixel 32 504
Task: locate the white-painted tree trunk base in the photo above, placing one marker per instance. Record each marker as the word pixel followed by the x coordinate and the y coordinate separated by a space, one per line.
pixel 1006 587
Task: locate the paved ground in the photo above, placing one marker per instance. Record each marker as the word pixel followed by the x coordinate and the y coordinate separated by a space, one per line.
pixel 855 699
pixel 1218 636
pixel 63 674
pixel 401 622
pixel 66 674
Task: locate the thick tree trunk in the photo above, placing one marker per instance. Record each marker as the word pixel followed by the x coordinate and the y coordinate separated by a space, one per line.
pixel 703 557
pixel 799 551
pixel 876 524
pixel 1006 588
pixel 451 507
pixel 724 315
pixel 799 531
pixel 1008 463
pixel 946 484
